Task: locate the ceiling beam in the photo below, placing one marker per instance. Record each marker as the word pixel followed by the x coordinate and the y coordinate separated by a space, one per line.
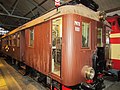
pixel 36 7
pixel 112 10
pixel 39 5
pixel 7 25
pixel 4 9
pixel 30 8
pixel 35 4
pixel 14 6
pixel 11 15
pixel 15 16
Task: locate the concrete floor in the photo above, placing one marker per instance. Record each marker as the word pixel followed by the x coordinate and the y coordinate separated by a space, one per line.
pixel 112 85
pixel 10 79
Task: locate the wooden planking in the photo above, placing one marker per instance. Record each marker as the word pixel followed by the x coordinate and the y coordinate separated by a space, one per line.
pixel 15 81
pixel 8 80
pixel 3 85
pixel 2 81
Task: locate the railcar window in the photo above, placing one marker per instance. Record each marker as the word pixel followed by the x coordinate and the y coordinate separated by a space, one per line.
pixel 56 45
pixel 119 22
pixel 85 34
pixel 18 40
pixel 99 38
pixel 31 37
pixel 14 41
pixel 9 41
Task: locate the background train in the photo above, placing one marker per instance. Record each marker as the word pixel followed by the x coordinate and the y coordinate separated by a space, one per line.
pixel 61 46
pixel 114 62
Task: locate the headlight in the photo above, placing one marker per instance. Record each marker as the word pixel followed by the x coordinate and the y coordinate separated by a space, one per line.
pixel 88 72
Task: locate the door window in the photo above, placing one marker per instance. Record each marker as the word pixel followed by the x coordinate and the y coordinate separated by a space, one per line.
pixel 56 45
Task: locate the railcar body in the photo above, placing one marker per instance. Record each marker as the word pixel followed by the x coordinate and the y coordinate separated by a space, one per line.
pixel 59 44
pixel 115 40
pixel 0 45
pixel 10 45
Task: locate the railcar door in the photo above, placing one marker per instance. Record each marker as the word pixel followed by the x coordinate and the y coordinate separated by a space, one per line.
pixel 56 45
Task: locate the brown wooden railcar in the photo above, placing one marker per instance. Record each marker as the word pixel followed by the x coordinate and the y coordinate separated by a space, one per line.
pixel 60 44
pixel 10 45
pixel 0 44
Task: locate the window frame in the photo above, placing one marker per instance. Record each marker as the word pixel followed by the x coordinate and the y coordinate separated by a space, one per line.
pixel 89 39
pixel 14 40
pixel 32 29
pixel 101 37
pixel 18 39
pixel 52 71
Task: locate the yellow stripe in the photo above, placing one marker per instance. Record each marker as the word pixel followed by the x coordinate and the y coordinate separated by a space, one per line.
pixel 115 51
pixel 115 35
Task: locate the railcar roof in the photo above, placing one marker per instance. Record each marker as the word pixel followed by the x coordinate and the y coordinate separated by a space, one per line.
pixel 67 9
pixel 113 17
pixel 14 13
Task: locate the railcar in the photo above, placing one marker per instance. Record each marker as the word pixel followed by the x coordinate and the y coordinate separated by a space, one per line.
pixel 114 61
pixel 61 45
pixel 0 46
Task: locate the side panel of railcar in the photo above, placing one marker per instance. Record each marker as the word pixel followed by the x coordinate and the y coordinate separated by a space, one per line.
pixel 16 46
pixel 76 54
pixel 22 45
pixel 5 45
pixel 13 44
pixel 37 49
pixel 10 51
pixel 11 47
